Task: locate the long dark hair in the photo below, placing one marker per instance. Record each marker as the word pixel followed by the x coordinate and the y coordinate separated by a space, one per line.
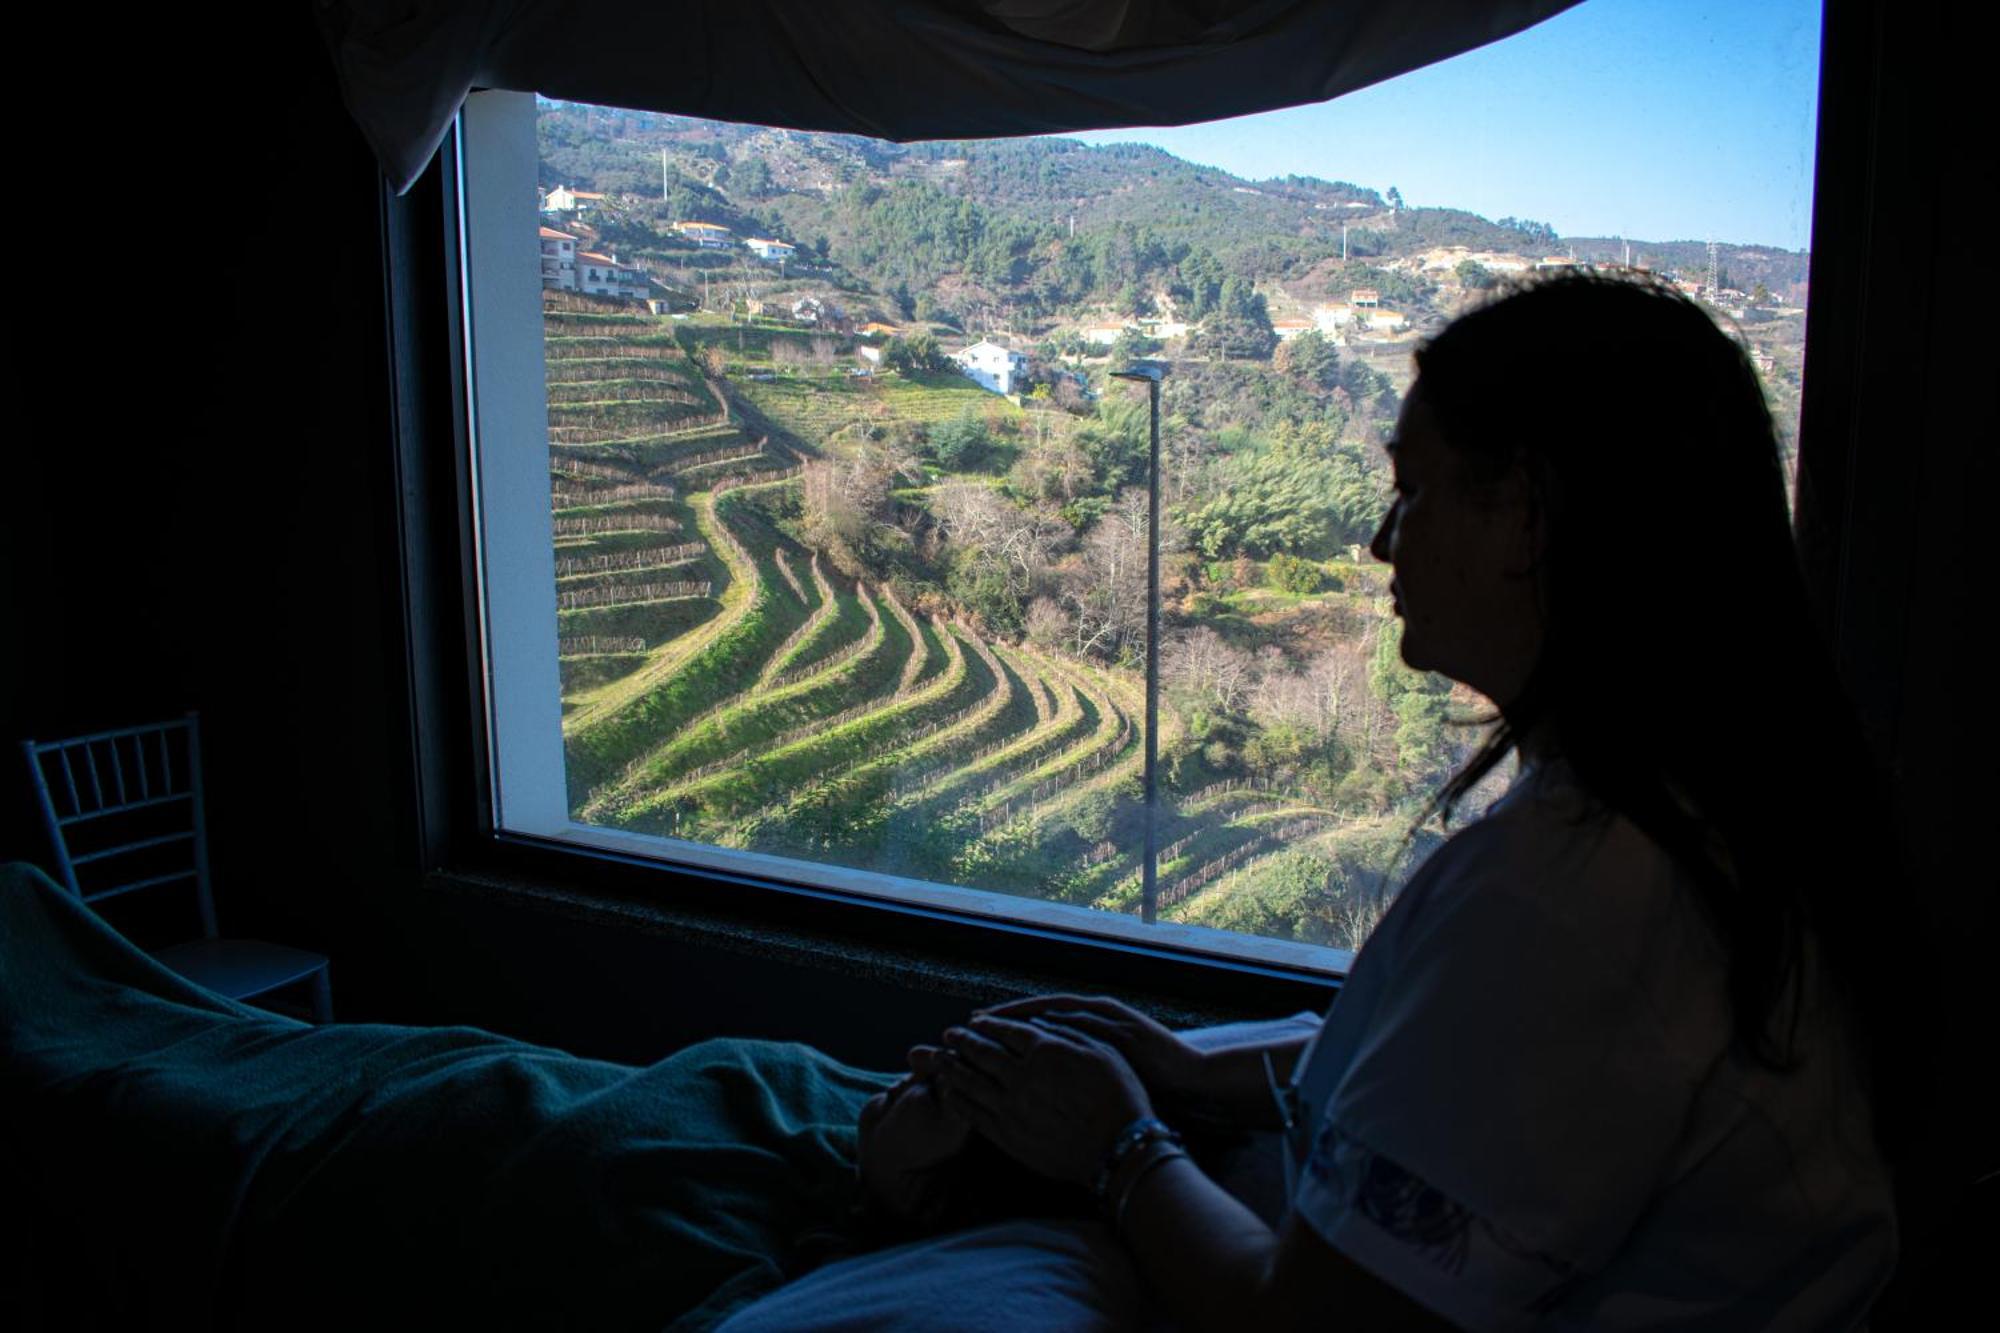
pixel 1682 676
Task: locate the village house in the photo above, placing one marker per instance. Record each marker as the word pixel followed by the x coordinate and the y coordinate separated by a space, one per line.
pixel 558 260
pixel 562 199
pixel 1288 329
pixel 992 367
pixel 1330 319
pixel 707 235
pixel 766 248
pixel 1103 335
pixel 1343 322
pixel 602 275
pixel 1379 322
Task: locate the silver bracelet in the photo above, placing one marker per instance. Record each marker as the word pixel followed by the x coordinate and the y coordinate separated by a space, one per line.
pixel 1135 1136
pixel 1173 1150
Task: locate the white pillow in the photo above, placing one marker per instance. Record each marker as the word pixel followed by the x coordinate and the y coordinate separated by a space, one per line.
pixel 1022 1274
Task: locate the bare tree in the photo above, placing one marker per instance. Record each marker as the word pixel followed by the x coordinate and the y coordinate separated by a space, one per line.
pixel 1203 664
pixel 1047 626
pixel 1052 463
pixel 1336 675
pixel 1019 540
pixel 847 505
pixel 1105 589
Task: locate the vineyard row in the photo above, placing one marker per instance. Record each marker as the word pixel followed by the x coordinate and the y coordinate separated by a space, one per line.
pixel 637 592
pixel 645 558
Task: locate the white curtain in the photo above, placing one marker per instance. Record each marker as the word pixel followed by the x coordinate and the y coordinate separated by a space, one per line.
pixel 894 69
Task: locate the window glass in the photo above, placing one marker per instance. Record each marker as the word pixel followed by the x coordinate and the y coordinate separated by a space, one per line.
pixel 849 515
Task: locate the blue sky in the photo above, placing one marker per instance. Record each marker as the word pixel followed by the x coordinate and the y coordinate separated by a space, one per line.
pixel 1664 120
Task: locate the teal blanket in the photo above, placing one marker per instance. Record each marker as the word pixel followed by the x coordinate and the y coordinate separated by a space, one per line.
pixel 188 1160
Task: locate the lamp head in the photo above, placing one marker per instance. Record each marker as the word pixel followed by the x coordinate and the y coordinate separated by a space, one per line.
pixel 1147 372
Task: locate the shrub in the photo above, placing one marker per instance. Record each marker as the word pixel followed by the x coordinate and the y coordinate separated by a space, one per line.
pixel 961 443
pixel 1290 573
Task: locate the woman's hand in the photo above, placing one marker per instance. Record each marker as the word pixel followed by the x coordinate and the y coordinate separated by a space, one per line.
pixel 1169 1067
pixel 906 1136
pixel 1050 1097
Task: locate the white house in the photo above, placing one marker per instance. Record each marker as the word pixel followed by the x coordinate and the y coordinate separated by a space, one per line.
pixel 766 248
pixel 562 199
pixel 707 235
pixel 558 260
pixel 1339 321
pixel 992 367
pixel 602 275
pixel 1288 329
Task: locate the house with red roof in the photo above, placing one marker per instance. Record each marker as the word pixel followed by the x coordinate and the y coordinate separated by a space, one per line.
pixel 558 260
pixel 562 199
pixel 602 275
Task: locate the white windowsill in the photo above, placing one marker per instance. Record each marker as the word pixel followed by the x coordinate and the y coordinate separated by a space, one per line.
pixel 993 906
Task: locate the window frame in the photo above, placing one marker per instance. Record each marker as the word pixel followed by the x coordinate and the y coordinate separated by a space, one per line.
pixel 505 408
pixel 454 838
pixel 458 834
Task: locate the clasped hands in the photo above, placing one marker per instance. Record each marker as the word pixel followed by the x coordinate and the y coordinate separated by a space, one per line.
pixel 1048 1080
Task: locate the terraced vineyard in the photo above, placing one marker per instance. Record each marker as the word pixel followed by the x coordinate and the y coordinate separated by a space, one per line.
pixel 822 407
pixel 724 683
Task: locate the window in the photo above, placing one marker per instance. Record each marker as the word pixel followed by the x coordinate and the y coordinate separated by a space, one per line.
pixel 816 549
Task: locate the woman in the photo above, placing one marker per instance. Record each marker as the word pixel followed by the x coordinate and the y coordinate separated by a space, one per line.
pixel 1607 1061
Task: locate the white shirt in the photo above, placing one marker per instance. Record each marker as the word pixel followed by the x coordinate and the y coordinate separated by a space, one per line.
pixel 1526 1109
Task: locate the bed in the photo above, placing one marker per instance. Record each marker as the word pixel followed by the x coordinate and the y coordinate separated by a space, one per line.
pixel 186 1158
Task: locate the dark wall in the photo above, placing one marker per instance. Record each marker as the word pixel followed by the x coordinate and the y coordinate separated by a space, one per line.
pixel 201 512
pixel 198 425
pixel 1903 332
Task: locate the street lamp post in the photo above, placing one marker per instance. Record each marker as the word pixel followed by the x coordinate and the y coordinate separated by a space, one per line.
pixel 1151 373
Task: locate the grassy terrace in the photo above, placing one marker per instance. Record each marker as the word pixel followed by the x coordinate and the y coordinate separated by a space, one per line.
pixel 818 407
pixel 616 725
pixel 790 709
pixel 752 343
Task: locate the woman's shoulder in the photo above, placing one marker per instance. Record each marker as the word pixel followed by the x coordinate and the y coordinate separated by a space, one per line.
pixel 1550 842
pixel 1557 867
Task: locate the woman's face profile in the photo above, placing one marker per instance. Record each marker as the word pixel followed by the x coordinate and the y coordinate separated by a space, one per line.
pixel 1463 556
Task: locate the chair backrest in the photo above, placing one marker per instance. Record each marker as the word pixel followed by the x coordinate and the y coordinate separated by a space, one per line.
pixel 123 810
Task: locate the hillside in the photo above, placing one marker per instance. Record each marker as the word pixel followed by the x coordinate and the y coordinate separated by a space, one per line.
pixel 1046 226
pixel 823 595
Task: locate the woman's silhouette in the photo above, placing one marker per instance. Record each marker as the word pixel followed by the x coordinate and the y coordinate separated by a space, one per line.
pixel 1611 1059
